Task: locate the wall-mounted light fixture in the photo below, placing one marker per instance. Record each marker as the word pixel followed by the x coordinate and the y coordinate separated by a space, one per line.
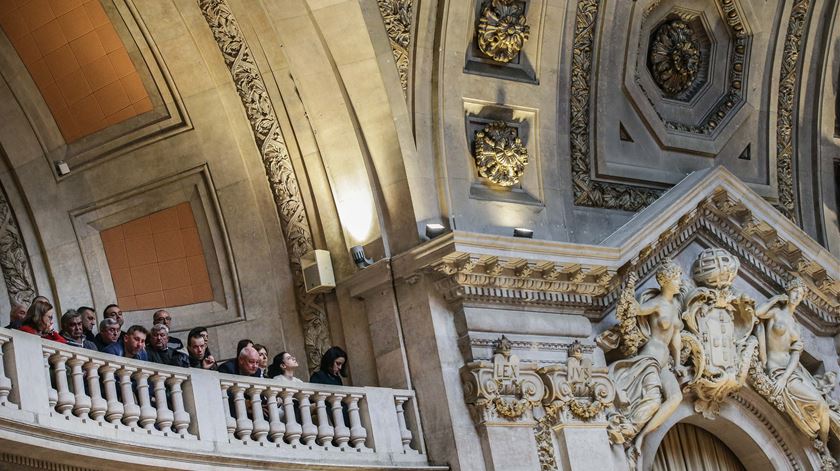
pixel 359 258
pixel 434 230
pixel 523 232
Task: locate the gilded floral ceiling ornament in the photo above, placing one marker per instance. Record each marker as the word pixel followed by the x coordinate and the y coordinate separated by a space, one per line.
pixel 502 30
pixel 499 154
pixel 674 57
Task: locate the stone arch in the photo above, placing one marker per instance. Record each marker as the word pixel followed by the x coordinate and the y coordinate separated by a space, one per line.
pixel 756 434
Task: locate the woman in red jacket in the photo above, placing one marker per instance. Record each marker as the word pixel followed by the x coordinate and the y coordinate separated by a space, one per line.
pixel 39 321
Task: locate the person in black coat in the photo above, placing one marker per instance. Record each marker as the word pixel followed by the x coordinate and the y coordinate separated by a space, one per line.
pixel 333 367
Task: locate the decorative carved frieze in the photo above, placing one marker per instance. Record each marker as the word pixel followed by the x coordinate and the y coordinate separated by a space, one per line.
pixel 499 154
pixel 576 391
pixel 278 167
pixel 674 56
pixel 501 31
pixel 785 124
pixel 397 16
pixel 587 191
pixel 14 261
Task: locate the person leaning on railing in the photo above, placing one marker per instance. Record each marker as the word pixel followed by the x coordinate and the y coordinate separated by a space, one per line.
pixel 73 330
pixel 198 351
pixel 109 332
pixel 283 367
pixel 131 345
pixel 159 351
pixel 333 367
pixel 39 321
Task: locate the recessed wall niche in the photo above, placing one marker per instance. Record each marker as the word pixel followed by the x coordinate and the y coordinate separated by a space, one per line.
pixel 190 191
pixel 478 115
pixel 525 66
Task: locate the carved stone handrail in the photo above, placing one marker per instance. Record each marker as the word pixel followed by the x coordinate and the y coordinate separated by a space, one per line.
pixel 95 401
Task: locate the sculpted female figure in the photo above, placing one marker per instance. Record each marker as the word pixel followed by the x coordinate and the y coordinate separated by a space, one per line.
pixel 779 346
pixel 648 388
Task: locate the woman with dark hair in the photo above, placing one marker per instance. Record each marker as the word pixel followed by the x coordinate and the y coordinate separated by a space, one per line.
pixel 263 358
pixel 39 321
pixel 333 367
pixel 283 367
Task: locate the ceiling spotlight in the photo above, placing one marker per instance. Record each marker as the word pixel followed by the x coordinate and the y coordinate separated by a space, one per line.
pixel 523 232
pixel 434 230
pixel 359 258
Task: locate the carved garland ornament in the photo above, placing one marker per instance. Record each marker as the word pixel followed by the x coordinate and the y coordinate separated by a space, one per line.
pixel 787 93
pixel 502 30
pixel 14 262
pixel 674 57
pixel 499 154
pixel 396 14
pixel 278 166
pixel 588 192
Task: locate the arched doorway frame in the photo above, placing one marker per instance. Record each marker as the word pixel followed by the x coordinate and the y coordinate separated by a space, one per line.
pixel 759 436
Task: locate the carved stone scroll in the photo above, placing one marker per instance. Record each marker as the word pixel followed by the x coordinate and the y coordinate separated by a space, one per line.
pixel 501 30
pixel 14 261
pixel 278 167
pixel 396 14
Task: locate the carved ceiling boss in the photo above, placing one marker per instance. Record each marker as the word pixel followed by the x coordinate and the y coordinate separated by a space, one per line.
pixel 674 57
pixel 501 30
pixel 499 154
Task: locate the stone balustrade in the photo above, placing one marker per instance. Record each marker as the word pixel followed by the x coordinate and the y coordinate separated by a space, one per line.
pixel 92 399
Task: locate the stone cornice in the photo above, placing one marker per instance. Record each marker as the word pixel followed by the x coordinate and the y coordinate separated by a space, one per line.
pixel 712 205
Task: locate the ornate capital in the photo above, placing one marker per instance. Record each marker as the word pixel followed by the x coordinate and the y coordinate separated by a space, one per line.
pixel 502 30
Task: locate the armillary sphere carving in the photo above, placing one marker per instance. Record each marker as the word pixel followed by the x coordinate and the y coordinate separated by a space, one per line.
pixel 499 154
pixel 501 30
pixel 674 57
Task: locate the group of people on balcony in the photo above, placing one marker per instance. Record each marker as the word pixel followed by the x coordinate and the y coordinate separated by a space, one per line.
pixel 156 345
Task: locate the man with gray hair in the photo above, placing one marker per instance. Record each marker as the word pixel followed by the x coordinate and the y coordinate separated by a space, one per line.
pixel 246 364
pixel 163 316
pixel 109 332
pixel 73 330
pixel 160 352
pixel 16 315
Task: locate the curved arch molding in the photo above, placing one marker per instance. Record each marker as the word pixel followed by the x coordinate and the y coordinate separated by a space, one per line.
pixel 278 167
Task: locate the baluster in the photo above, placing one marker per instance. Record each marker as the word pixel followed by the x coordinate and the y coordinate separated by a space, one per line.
pixel 293 429
pixel 114 408
pixel 52 394
pixel 405 433
pixel 83 402
pixel 276 428
pixel 181 417
pixel 148 414
pixel 66 399
pixel 98 405
pixel 260 424
pixel 164 416
pixel 5 382
pixel 131 411
pixel 342 432
pixel 309 429
pixel 325 430
pixel 230 422
pixel 244 425
pixel 358 434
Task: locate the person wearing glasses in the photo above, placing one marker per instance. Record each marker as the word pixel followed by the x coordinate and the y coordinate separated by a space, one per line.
pixel 164 317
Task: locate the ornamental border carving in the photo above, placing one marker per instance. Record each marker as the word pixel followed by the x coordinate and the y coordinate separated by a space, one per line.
pixel 14 261
pixel 785 124
pixel 278 167
pixel 397 16
pixel 591 193
pixel 749 406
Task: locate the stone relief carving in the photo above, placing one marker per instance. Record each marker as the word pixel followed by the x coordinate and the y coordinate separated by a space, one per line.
pixel 501 30
pixel 778 376
pixel 396 14
pixel 674 57
pixel 502 390
pixel 785 124
pixel 576 391
pixel 587 191
pixel 499 154
pixel 278 167
pixel 14 262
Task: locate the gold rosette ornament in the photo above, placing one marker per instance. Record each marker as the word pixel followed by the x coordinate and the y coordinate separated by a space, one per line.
pixel 502 30
pixel 499 154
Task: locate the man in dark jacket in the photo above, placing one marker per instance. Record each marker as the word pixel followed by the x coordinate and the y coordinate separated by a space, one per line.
pixel 160 352
pixel 197 350
pixel 164 317
pixel 109 332
pixel 132 345
pixel 74 332
pixel 16 315
pixel 246 364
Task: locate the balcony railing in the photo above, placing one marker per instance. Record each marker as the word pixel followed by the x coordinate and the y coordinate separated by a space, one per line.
pixel 196 415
